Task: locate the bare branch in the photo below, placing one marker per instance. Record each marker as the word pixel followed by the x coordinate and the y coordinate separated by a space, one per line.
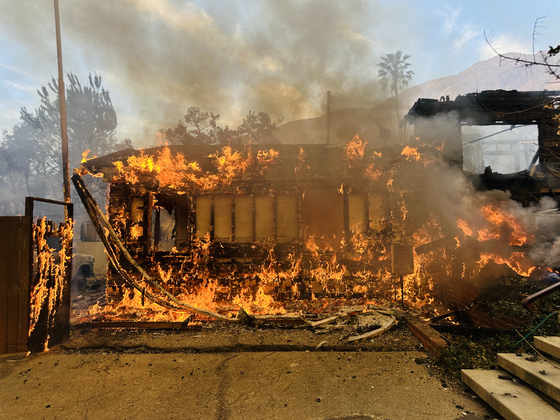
pixel 552 68
pixel 535 33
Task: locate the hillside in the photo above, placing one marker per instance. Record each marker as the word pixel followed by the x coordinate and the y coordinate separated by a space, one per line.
pixel 484 75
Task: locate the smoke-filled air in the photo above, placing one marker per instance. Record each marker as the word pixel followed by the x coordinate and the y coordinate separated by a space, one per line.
pixel 227 58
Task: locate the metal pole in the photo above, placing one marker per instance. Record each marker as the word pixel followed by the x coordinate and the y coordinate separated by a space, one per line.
pixel 329 110
pixel 63 122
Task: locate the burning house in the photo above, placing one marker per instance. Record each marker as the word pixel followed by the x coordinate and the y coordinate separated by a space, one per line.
pixel 263 226
pixel 278 221
pixel 436 120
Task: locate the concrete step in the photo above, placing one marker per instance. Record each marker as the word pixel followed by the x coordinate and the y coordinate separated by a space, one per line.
pixel 549 345
pixel 534 370
pixel 511 399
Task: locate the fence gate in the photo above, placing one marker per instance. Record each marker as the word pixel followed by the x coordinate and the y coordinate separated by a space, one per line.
pixel 15 266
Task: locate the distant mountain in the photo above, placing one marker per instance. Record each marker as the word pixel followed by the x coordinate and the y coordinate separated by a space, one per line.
pixel 485 75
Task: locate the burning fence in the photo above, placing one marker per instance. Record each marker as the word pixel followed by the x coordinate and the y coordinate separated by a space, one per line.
pixel 273 228
pixel 50 280
pixel 36 266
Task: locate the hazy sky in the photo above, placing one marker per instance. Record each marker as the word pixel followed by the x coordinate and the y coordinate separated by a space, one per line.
pixel 158 57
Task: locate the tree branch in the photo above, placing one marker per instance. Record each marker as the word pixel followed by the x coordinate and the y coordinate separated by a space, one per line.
pixel 552 68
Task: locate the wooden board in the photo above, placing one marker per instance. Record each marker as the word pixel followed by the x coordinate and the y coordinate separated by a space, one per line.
pixel 4 282
pixel 25 273
pixel 15 254
pixel 134 324
pixel 13 282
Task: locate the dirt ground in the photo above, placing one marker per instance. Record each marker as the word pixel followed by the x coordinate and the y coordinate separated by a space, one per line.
pixel 216 337
pixel 219 371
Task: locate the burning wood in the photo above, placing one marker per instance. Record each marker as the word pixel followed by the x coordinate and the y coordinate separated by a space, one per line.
pixel 49 282
pixel 264 229
pixel 96 214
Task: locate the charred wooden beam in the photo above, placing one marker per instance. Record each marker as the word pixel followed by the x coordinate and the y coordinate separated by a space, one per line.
pixel 144 325
pixel 157 229
pixel 148 223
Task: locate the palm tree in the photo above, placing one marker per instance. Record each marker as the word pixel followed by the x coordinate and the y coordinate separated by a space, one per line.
pixel 394 72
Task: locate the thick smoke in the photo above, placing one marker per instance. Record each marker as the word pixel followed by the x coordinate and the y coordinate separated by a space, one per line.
pixel 450 196
pixel 230 57
pixel 546 251
pixel 472 222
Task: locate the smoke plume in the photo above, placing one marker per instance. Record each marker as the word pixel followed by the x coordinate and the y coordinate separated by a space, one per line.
pixel 230 57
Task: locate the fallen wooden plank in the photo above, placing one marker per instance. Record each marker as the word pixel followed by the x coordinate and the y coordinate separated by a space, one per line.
pixel 374 333
pixel 147 325
pixel 282 319
pixel 329 320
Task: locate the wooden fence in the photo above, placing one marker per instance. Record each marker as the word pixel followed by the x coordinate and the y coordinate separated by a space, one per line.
pixel 17 280
pixel 15 266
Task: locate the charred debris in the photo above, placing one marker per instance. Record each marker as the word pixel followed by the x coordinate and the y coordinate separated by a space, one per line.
pixel 442 119
pixel 259 227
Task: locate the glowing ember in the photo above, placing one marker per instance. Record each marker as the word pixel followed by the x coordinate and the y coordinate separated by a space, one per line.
pixel 390 184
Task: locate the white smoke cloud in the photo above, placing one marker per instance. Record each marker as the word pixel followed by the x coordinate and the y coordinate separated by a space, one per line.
pixel 504 44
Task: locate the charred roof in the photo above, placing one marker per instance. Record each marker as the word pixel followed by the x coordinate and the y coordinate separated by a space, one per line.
pixel 491 107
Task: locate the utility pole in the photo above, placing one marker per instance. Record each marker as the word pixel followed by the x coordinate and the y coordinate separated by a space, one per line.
pixel 329 116
pixel 63 122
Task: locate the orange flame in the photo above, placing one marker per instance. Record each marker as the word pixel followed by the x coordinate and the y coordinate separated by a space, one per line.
pixel 501 218
pixel 461 224
pixel 355 150
pixel 50 281
pixel 411 153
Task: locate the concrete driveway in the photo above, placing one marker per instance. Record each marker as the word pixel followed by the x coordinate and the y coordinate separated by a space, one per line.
pixel 244 385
